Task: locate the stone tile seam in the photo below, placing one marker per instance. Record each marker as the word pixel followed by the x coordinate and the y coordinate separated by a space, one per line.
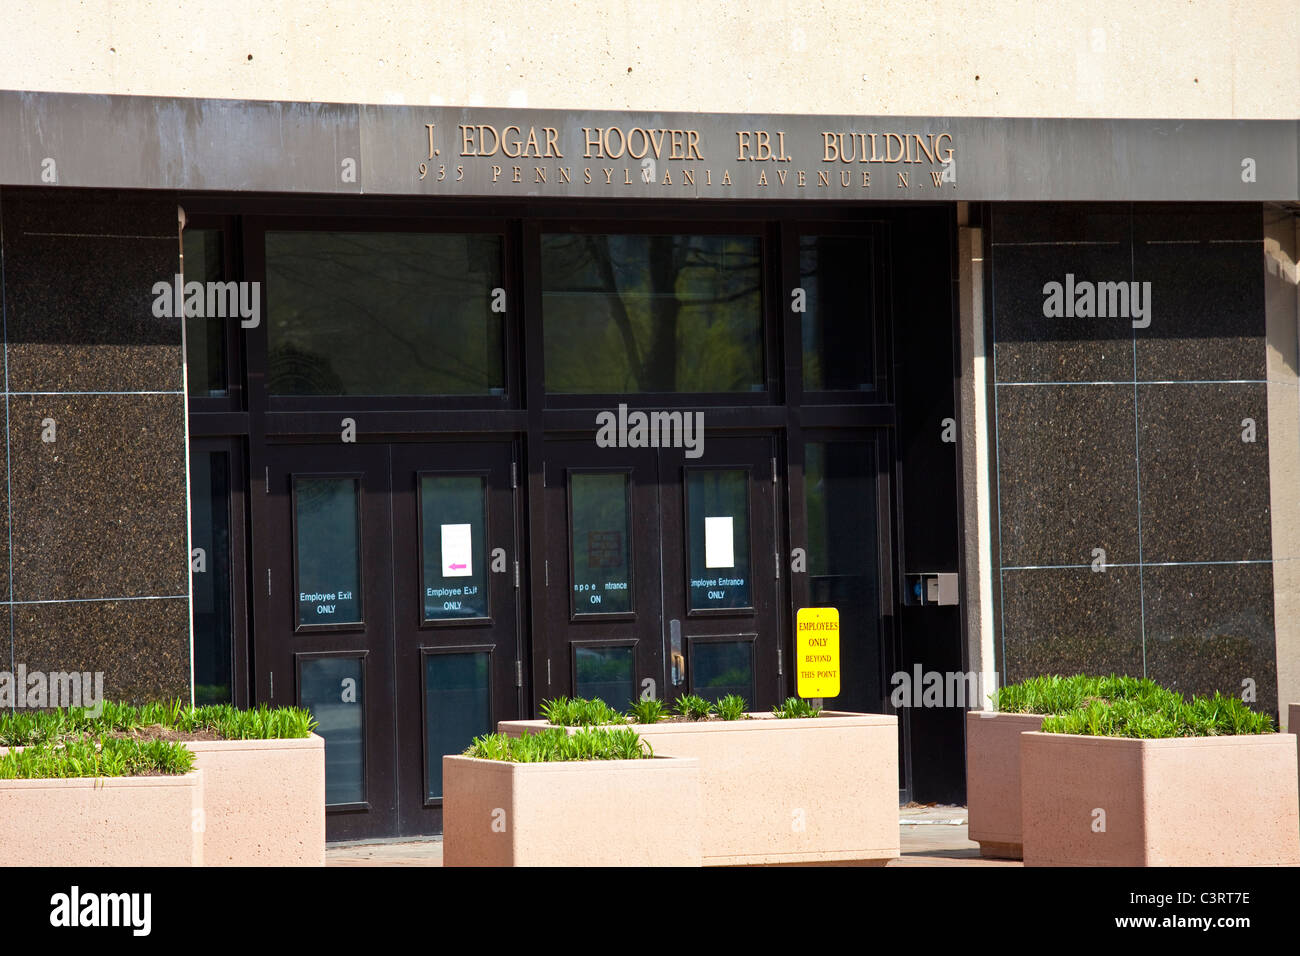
pixel 95 600
pixel 1138 564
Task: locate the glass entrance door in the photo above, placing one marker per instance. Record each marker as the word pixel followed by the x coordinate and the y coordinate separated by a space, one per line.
pixel 661 576
pixel 389 610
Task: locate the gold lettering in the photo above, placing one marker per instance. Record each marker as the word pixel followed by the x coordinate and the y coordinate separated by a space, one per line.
pixel 780 175
pixel 622 143
pixel 764 141
pixel 726 177
pixel 866 178
pixel 482 141
pixel 564 174
pixel 829 147
pixel 668 177
pixel 586 174
pixel 657 141
pixel 937 176
pixel 539 174
pixel 921 146
pixel 762 177
pixel 429 127
pixel 688 177
pixel 677 137
pixel 845 177
pixel 467 141
pixel 511 149
pixel 591 141
pixel 946 156
pixel 801 182
pixel 743 145
pixel 552 147
pixel 627 176
pixel 518 172
pixel 645 142
pixel 609 176
pixel 874 157
pixel 902 180
pixel 692 145
pixel 496 173
pixel 460 173
pixel 531 148
pixel 890 157
pixel 708 177
pixel 780 147
pixel 823 178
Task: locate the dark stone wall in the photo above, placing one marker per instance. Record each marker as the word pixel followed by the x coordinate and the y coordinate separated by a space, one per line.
pixel 93 553
pixel 1131 440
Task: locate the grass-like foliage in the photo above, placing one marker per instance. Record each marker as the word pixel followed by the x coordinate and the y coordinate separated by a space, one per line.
pixel 1054 694
pixel 733 707
pixel 693 707
pixel 794 708
pixel 580 712
pixel 26 728
pixel 646 711
pixel 555 743
pixel 91 757
pixel 1162 713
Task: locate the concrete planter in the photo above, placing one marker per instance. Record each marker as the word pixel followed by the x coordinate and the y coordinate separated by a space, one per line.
pixel 993 780
pixel 264 801
pixel 571 813
pixel 1186 801
pixel 104 821
pixel 823 789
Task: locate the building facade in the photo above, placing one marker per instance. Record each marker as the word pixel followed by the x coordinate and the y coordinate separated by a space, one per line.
pixel 420 415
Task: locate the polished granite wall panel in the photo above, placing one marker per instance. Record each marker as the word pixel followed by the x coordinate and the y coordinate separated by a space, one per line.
pixel 1165 472
pixel 99 560
pixel 1205 489
pixel 1070 621
pixel 116 468
pixel 1067 474
pixel 141 646
pixel 1210 627
pixel 80 276
pixel 1206 269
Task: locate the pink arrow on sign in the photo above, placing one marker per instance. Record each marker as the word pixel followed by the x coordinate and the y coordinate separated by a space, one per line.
pixel 456 567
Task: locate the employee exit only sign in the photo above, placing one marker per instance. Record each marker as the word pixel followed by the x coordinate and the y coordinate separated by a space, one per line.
pixel 817 651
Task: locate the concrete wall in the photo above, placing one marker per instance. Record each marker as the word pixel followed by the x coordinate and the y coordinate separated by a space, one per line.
pixel 1116 58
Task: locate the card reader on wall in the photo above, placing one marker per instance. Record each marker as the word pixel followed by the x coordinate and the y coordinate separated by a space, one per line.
pixel 939 587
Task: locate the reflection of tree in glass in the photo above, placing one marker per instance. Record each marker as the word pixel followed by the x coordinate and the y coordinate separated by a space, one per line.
pixel 383 313
pixel 661 313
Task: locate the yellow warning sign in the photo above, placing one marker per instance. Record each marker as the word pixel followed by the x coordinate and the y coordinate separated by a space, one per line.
pixel 817 651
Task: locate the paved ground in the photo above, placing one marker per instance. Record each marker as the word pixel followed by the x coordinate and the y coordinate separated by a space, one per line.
pixel 928 836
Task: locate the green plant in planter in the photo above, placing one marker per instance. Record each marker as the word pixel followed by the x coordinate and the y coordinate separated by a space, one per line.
pixel 580 712
pixel 556 744
pixel 1160 714
pixel 733 707
pixel 794 708
pixel 693 707
pixel 1054 694
pixel 646 711
pixel 26 728
pixel 103 757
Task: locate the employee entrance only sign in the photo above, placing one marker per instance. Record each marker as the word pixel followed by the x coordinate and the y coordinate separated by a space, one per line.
pixel 817 651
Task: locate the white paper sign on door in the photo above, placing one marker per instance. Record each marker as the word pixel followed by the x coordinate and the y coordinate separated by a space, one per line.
pixel 719 550
pixel 456 551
